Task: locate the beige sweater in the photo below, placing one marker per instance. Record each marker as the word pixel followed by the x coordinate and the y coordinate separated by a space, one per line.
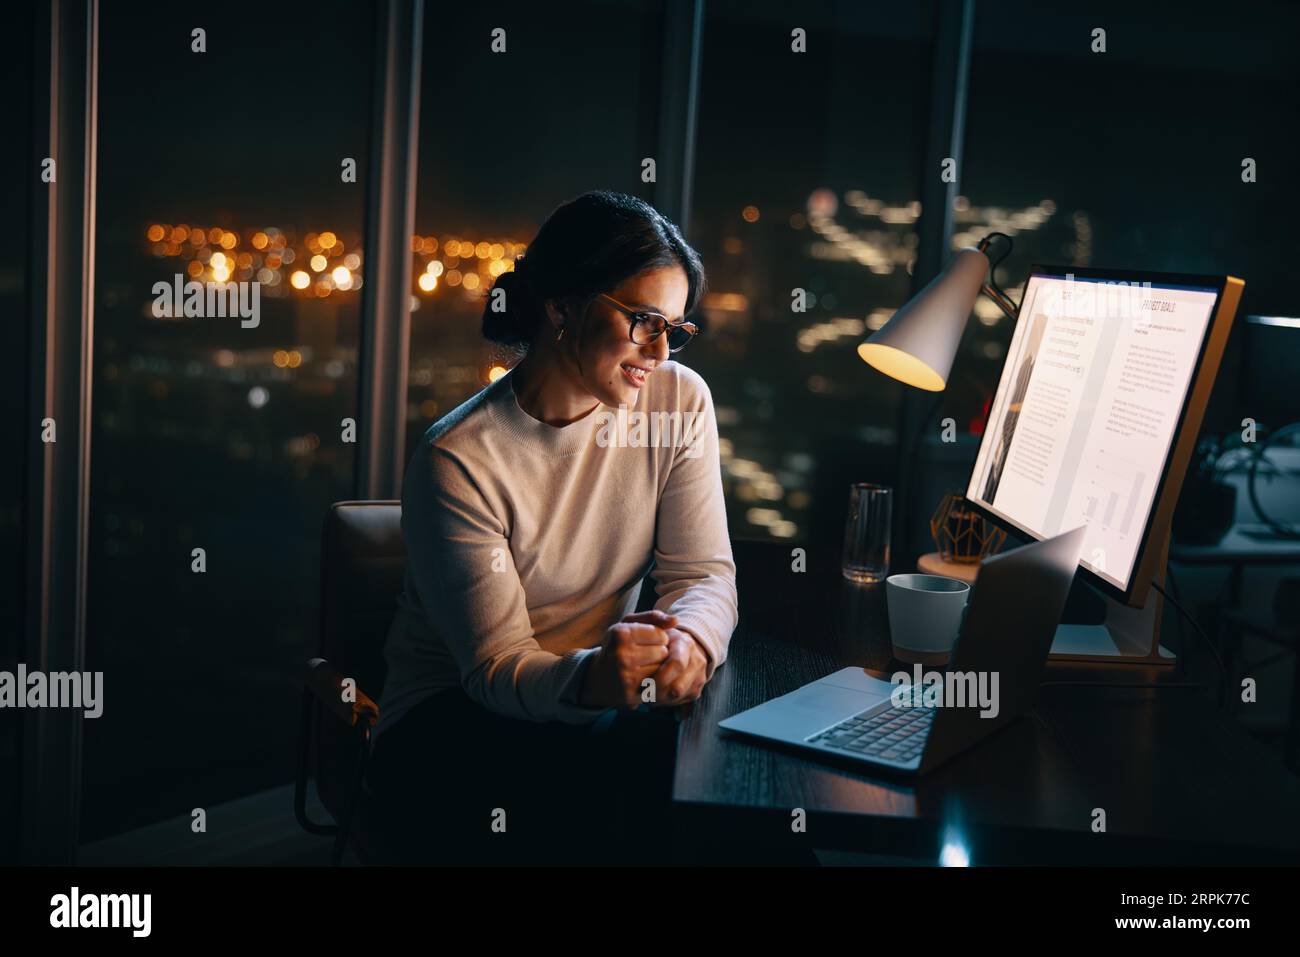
pixel 526 542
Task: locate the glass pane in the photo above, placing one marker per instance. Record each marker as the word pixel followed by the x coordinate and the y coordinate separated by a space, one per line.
pixel 807 179
pixel 1129 158
pixel 22 194
pixel 491 173
pixel 217 433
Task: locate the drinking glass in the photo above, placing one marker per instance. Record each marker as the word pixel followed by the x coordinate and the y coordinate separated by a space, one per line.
pixel 866 533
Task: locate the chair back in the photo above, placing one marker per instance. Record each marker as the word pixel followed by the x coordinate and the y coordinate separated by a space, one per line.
pixel 363 558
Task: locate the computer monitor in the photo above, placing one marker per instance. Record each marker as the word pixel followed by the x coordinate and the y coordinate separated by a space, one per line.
pixel 1270 358
pixel 1097 412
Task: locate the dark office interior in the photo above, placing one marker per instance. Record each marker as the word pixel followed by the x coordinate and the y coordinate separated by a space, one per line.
pixel 169 504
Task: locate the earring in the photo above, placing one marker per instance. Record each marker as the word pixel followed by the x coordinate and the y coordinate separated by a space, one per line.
pixel 559 335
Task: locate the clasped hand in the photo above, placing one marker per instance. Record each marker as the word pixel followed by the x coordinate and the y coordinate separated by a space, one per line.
pixel 647 644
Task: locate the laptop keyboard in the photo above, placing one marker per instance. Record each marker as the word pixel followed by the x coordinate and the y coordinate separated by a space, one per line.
pixel 895 734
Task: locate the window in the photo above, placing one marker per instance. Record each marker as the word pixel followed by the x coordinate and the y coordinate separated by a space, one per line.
pixel 16 428
pixel 217 433
pixel 807 179
pixel 570 106
pixel 1129 158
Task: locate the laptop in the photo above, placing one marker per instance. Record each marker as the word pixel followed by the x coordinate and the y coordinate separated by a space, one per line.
pixel 1005 637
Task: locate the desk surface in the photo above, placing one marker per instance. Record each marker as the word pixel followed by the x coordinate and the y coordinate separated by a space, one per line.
pixel 1242 545
pixel 1179 782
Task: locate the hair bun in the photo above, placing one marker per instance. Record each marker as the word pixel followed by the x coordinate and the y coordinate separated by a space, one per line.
pixel 513 326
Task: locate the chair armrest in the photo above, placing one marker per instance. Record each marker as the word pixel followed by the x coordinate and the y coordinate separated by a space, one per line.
pixel 326 685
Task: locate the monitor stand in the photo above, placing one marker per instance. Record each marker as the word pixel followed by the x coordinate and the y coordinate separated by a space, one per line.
pixel 1099 629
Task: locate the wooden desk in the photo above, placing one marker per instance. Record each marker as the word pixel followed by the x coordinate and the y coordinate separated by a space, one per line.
pixel 1178 782
pixel 1242 545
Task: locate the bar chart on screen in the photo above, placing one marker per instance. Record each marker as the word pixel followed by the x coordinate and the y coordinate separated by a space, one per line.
pixel 1114 492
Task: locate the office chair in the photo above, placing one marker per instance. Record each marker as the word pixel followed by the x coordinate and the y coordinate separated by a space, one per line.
pixel 363 558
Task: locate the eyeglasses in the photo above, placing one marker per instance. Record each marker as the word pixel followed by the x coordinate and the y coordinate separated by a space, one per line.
pixel 646 327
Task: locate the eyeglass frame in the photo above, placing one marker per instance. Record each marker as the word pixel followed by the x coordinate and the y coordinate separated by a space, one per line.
pixel 636 316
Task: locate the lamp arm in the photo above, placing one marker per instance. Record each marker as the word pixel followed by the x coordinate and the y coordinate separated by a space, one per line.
pixel 990 288
pixel 1004 301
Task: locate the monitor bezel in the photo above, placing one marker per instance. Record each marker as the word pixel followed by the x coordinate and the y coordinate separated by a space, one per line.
pixel 1136 590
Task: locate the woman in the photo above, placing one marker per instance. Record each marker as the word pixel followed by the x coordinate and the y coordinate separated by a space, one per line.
pixel 532 513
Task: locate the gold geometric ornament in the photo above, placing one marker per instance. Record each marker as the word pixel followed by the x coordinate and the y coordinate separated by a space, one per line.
pixel 961 534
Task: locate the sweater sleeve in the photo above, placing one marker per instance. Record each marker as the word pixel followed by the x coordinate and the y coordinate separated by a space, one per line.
pixel 694 573
pixel 464 573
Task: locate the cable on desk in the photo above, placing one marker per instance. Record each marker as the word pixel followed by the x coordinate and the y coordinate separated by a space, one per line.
pixel 1195 624
pixel 1055 732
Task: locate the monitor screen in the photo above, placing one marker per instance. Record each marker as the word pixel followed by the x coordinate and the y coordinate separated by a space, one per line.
pixel 1270 358
pixel 1090 400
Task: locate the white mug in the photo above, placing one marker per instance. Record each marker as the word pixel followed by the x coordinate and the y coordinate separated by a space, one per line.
pixel 925 613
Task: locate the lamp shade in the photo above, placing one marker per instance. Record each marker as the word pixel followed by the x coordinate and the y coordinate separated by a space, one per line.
pixel 916 346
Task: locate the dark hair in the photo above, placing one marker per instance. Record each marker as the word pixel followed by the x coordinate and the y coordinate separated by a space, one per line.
pixel 588 245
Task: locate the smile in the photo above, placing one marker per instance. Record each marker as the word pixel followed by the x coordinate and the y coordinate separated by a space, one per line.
pixel 635 374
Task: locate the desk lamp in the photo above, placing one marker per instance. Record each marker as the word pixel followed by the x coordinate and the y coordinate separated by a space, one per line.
pixel 917 345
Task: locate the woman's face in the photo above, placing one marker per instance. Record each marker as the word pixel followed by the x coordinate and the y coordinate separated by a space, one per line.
pixel 610 360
